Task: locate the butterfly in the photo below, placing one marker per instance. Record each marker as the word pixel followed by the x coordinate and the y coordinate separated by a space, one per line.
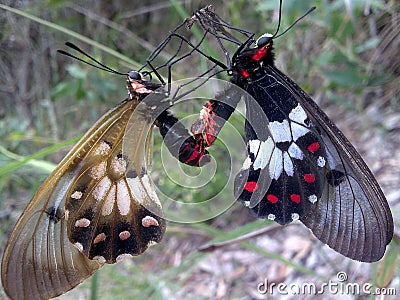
pixel 299 165
pixel 98 205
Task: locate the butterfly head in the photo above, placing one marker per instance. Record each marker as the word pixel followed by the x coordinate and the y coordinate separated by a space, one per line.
pixel 263 50
pixel 264 40
pixel 137 85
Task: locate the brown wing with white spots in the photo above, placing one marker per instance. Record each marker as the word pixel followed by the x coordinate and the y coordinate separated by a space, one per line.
pixel 39 262
pixel 112 210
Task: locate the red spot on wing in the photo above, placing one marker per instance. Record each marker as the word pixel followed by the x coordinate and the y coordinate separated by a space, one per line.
pixel 295 198
pixel 272 198
pixel 148 221
pixel 260 53
pixel 309 178
pixel 250 186
pixel 313 147
pixel 244 73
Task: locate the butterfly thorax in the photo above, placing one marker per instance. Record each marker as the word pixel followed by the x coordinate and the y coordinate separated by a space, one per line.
pixel 248 64
pixel 136 85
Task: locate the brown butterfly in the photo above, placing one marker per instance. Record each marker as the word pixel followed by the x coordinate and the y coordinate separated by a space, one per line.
pixel 98 206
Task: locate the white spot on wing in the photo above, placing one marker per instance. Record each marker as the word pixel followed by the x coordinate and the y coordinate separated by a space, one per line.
pixel 99 238
pixel 148 221
pixel 142 191
pixel 147 184
pixel 254 145
pixel 288 164
pixel 276 165
pixel 101 189
pixel 271 217
pixel 123 198
pixel 295 152
pixel 76 195
pixel 264 154
pixel 298 115
pixel 118 166
pixel 298 126
pixel 280 131
pixel 98 171
pixel 102 149
pixel 295 216
pixel 137 189
pixel 321 162
pixel 313 198
pixel 124 235
pixel 108 204
pixel 246 163
pixel 82 222
pixel 298 130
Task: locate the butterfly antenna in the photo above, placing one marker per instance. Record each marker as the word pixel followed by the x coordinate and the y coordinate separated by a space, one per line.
pixel 291 26
pixel 98 64
pixel 279 18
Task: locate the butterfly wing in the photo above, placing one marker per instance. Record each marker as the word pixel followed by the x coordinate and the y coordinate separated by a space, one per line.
pixel 300 166
pixel 283 174
pixel 352 215
pixel 113 211
pixel 40 260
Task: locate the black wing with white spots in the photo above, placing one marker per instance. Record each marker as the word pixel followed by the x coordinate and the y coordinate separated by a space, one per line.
pixel 315 174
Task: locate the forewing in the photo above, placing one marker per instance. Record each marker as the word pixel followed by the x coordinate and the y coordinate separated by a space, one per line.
pixel 352 216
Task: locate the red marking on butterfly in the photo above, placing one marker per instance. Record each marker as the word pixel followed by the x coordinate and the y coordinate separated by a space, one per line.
pixel 313 147
pixel 193 156
pixel 244 73
pixel 260 53
pixel 251 186
pixel 272 198
pixel 309 178
pixel 295 198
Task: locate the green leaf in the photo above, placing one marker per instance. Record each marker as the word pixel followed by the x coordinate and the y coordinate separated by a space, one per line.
pixel 31 159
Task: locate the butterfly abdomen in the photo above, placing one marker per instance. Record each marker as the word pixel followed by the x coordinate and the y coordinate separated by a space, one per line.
pixel 191 149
